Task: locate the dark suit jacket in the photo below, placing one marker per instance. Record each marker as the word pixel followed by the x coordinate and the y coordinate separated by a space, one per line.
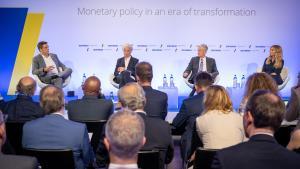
pixel 190 109
pixel 293 107
pixel 158 137
pixel 131 65
pixel 17 162
pixel 55 132
pixel 260 152
pixel 90 108
pixel 2 103
pixel 194 66
pixel 38 64
pixel 23 108
pixel 156 103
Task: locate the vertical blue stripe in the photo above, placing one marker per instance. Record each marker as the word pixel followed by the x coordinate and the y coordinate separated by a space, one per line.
pixel 12 21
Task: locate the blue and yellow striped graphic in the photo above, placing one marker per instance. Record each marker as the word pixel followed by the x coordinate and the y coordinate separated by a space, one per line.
pixel 19 32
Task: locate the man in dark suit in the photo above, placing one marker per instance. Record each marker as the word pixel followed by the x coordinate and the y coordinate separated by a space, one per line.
pixel 23 108
pixel 55 132
pixel 158 132
pixel 264 114
pixel 201 63
pixel 13 161
pixel 190 109
pixel 90 107
pixel 48 67
pixel 293 107
pixel 125 67
pixel 157 101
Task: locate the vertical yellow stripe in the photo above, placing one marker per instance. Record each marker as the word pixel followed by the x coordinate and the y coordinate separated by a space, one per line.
pixel 30 36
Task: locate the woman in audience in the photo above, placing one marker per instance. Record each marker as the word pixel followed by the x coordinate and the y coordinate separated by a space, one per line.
pixel 257 81
pixel 218 126
pixel 273 64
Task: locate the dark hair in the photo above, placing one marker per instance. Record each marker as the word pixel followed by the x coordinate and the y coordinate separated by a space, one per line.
pixel 27 90
pixel 267 109
pixel 51 99
pixel 203 79
pixel 40 44
pixel 144 71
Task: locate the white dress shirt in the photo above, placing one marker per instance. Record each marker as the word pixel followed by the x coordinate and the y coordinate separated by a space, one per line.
pixel 49 62
pixel 127 60
pixel 204 64
pixel 122 166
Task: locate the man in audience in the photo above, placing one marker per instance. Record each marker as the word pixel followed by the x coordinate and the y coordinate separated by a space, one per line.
pixel 264 114
pixel 23 108
pixel 293 107
pixel 90 107
pixel 190 109
pixel 12 161
pixel 125 135
pixel 48 67
pixel 157 101
pixel 125 67
pixel 158 132
pixel 55 132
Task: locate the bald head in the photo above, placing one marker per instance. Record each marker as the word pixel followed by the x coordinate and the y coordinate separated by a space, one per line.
pixel 26 86
pixel 92 86
pixel 132 96
pixel 51 99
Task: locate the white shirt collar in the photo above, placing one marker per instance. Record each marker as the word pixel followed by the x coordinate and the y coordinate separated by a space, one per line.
pixel 118 166
pixel 266 133
pixel 140 111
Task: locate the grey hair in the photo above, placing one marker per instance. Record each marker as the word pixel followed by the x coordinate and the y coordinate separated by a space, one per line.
pixel 127 45
pixel 125 131
pixel 203 46
pixel 132 96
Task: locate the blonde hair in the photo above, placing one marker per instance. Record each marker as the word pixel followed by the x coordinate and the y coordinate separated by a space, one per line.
pixel 278 56
pixel 216 98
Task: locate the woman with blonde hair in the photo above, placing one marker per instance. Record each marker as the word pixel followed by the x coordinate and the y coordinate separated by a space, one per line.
pixel 218 126
pixel 257 81
pixel 273 64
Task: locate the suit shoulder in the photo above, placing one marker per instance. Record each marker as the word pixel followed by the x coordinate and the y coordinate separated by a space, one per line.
pixel 163 94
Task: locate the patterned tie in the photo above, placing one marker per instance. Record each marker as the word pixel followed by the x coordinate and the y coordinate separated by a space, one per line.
pixel 201 66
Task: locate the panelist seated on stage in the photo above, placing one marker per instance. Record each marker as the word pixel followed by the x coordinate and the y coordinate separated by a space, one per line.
pixel 201 63
pixel 125 67
pixel 48 67
pixel 273 64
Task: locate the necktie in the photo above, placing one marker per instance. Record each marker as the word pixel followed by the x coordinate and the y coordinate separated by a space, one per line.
pixel 201 66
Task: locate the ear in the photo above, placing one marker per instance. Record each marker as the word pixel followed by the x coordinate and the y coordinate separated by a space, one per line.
pixel 248 118
pixel 144 140
pixel 106 143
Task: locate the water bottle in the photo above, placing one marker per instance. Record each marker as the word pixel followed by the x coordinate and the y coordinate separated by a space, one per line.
pixel 243 81
pixel 165 83
pixel 234 81
pixel 111 96
pixel 172 85
pixel 83 79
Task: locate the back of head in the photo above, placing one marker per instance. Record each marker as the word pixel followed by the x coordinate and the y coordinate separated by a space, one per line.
pixel 267 109
pixel 260 81
pixel 26 86
pixel 203 79
pixel 125 131
pixel 51 99
pixel 216 98
pixel 132 96
pixel 143 71
pixel 92 86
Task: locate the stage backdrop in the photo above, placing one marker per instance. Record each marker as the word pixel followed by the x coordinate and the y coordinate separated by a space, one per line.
pixel 87 35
